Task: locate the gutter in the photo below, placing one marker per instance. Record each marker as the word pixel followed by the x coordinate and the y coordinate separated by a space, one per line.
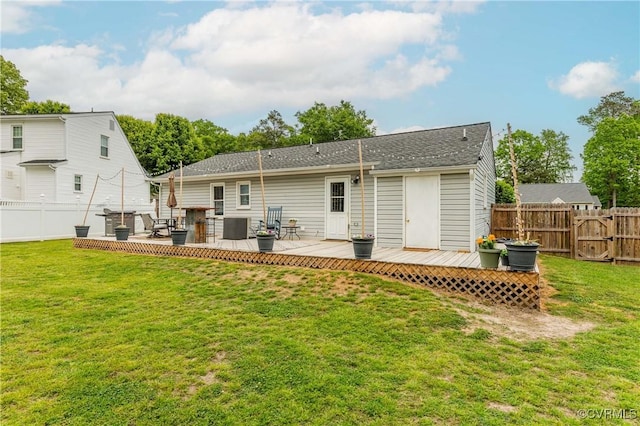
pixel 426 170
pixel 277 172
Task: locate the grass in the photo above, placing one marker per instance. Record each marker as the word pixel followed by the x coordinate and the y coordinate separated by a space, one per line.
pixel 92 337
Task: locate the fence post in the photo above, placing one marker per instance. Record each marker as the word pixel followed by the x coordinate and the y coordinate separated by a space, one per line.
pixel 41 217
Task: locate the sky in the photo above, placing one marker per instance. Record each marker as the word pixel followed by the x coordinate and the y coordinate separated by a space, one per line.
pixel 408 65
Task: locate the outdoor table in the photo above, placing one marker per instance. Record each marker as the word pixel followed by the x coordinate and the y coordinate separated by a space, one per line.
pixel 196 223
pixel 290 231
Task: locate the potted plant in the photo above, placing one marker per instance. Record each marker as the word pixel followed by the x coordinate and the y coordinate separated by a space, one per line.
pixel 265 239
pixel 179 234
pixel 122 232
pixel 293 221
pixel 363 245
pixel 522 252
pixel 83 230
pixel 489 254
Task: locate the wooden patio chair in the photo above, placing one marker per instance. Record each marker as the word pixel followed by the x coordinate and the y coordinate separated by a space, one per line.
pixel 153 225
pixel 274 221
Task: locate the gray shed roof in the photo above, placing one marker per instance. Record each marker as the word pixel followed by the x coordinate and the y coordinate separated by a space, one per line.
pixel 421 149
pixel 574 193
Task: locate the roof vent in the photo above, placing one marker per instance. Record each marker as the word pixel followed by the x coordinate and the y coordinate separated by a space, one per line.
pixel 317 150
pixel 464 134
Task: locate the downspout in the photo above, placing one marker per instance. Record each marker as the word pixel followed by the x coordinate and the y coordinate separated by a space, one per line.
pixel 472 211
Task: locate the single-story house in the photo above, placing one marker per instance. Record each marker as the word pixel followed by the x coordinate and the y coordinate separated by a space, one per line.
pixel 576 194
pixel 428 189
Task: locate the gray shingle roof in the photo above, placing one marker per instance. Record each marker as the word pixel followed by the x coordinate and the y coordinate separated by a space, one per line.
pixel 574 193
pixel 424 149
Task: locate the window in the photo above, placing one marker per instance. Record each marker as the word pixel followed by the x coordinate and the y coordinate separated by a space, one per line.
pixel 217 196
pixel 77 183
pixel 337 197
pixel 104 146
pixel 244 195
pixel 17 137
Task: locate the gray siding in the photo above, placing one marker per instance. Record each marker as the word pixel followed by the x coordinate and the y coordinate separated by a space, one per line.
pixel 455 211
pixel 390 212
pixel 486 171
pixel 301 196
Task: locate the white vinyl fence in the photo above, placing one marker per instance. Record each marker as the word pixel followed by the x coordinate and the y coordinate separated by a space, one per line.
pixel 38 221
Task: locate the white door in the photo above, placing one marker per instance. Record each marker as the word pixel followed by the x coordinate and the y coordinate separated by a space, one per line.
pixel 337 214
pixel 422 212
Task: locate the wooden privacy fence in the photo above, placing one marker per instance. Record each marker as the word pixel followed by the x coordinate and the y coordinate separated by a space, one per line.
pixel 598 235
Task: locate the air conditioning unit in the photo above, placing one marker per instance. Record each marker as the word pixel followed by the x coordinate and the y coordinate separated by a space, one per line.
pixel 236 228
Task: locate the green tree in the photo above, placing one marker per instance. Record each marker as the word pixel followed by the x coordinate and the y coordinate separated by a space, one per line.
pixel 340 122
pixel 45 107
pixel 272 132
pixel 612 105
pixel 140 134
pixel 13 94
pixel 504 193
pixel 540 159
pixel 174 140
pixel 215 139
pixel 612 161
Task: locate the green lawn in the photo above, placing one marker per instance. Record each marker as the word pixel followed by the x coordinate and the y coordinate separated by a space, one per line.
pixel 91 337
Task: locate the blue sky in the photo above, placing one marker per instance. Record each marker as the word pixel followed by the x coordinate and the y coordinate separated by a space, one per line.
pixel 409 65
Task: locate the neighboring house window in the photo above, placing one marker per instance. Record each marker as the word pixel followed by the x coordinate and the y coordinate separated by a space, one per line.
pixel 244 195
pixel 217 195
pixel 77 183
pixel 104 146
pixel 17 137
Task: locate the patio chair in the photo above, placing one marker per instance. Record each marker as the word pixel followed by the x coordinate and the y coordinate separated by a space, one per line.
pixel 153 225
pixel 274 221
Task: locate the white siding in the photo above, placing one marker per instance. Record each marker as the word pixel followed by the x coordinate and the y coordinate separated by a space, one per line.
pixel 356 206
pixel 454 211
pixel 390 212
pixel 41 180
pixel 77 140
pixel 486 171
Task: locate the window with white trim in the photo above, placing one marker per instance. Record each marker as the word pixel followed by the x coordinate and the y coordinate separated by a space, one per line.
pixel 17 137
pixel 77 183
pixel 104 146
pixel 217 198
pixel 244 195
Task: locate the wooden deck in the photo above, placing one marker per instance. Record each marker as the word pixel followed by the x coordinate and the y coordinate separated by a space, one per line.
pixel 339 249
pixel 441 270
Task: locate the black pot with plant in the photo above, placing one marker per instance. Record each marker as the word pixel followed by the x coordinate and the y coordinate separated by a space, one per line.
pixel 522 255
pixel 265 241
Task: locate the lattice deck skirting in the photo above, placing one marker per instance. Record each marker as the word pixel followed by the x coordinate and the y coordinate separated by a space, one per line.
pixel 519 289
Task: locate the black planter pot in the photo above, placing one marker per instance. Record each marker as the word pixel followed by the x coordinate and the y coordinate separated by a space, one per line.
pixel 82 231
pixel 362 247
pixel 122 233
pixel 265 243
pixel 522 257
pixel 504 259
pixel 179 236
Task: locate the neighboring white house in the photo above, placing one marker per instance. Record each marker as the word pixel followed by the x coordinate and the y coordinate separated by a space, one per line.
pixel 51 162
pixel 60 155
pixel 429 189
pixel 576 194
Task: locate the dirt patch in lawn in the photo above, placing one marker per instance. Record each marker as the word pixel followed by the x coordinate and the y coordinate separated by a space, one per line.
pixel 519 324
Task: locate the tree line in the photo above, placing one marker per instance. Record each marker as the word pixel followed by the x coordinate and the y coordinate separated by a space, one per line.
pixel 611 156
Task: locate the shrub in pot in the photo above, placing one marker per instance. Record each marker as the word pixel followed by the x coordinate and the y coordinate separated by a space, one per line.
pixel 489 254
pixel 522 255
pixel 265 241
pixel 363 246
pixel 122 232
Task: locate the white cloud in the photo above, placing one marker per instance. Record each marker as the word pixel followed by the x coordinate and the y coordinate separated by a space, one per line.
pixel 238 59
pixel 587 79
pixel 17 17
pixel 636 77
